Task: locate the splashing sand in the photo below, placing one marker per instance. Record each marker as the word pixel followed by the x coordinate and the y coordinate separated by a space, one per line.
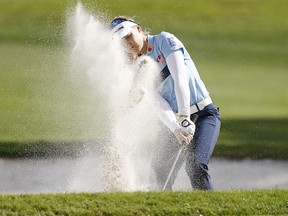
pixel 121 92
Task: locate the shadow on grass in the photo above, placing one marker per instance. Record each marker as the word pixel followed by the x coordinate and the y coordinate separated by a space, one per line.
pixel 239 139
pixel 46 149
pixel 253 138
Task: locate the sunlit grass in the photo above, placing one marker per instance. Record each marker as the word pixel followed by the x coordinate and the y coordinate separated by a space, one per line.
pixel 238 47
pixel 261 202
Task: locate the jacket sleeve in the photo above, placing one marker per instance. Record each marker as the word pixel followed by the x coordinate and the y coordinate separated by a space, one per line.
pixel 176 65
pixel 164 112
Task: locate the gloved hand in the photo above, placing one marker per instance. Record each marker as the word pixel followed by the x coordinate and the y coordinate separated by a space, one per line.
pixel 185 132
pixel 186 125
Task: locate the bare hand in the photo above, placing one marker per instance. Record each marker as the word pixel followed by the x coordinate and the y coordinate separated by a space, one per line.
pixel 182 137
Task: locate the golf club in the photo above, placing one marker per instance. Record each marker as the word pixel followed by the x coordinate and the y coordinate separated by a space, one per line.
pixel 194 119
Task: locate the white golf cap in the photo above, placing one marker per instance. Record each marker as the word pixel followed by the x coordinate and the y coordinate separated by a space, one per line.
pixel 123 28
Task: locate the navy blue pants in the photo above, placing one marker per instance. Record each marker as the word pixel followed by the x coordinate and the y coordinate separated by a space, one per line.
pixel 197 155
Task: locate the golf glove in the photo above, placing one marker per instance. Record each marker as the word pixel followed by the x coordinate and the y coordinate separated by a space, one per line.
pixel 186 126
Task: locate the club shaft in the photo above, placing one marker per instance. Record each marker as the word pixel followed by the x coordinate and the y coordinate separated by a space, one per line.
pixel 194 119
pixel 172 168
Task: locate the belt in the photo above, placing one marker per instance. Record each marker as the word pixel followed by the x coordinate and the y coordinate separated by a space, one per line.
pixel 200 106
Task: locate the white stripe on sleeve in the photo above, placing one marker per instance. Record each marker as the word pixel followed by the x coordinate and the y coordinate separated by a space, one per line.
pixel 176 65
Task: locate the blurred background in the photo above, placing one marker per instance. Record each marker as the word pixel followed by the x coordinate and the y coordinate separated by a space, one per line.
pixel 240 48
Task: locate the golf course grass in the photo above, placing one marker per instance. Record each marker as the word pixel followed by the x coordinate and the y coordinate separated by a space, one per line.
pixel 240 50
pixel 262 202
pixel 238 47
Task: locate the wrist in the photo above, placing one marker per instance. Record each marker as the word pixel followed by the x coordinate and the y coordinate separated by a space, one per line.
pixel 175 127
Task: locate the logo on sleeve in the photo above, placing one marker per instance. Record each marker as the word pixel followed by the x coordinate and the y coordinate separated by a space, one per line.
pixel 160 59
pixel 185 123
pixel 171 41
pixel 149 48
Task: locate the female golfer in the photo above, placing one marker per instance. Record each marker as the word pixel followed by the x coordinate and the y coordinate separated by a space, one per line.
pixel 180 93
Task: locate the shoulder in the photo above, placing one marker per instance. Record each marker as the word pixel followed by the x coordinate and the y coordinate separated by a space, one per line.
pixel 164 35
pixel 165 38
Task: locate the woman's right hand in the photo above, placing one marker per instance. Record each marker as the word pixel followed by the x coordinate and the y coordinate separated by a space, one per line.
pixel 182 137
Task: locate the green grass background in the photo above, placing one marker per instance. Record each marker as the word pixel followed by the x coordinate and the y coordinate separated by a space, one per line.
pixel 239 47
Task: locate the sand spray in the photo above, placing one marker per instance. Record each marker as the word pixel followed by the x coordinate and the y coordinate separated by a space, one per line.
pixel 127 123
